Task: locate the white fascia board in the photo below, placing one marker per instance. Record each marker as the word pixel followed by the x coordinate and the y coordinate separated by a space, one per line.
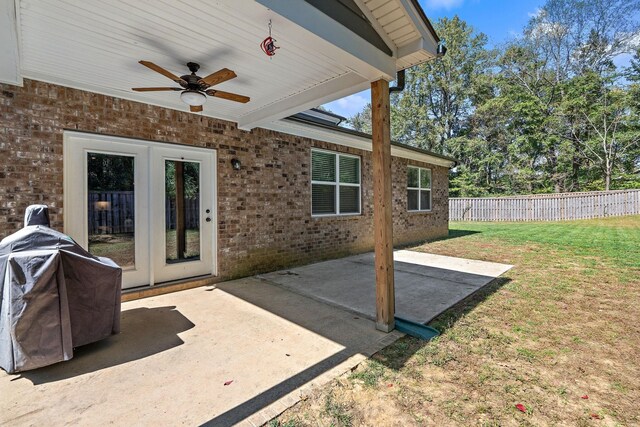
pixel 9 43
pixel 407 153
pixel 352 50
pixel 417 46
pixel 349 140
pixel 333 89
pixel 426 44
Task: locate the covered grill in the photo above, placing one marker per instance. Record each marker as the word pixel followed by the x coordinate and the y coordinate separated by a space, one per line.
pixel 55 295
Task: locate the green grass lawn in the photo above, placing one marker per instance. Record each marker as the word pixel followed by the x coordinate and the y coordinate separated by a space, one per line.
pixel 558 334
pixel 615 238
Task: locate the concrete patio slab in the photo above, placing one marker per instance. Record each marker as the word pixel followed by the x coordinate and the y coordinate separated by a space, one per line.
pixel 426 284
pixel 176 351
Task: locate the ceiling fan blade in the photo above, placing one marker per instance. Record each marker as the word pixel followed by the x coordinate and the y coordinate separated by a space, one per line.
pixel 162 71
pixel 228 95
pixel 218 77
pixel 195 108
pixel 155 89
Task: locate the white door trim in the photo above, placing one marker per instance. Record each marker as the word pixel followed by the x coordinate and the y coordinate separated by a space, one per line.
pixel 75 147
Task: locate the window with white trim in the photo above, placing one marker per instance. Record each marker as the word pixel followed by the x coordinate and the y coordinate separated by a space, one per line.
pixel 418 189
pixel 335 183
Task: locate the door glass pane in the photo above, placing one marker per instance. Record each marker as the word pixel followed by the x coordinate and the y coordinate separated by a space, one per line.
pixel 182 211
pixel 111 207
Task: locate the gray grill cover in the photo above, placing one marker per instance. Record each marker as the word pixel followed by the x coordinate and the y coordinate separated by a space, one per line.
pixel 55 296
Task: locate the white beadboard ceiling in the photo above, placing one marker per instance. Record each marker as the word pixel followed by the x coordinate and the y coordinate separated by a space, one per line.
pixel 393 18
pixel 96 45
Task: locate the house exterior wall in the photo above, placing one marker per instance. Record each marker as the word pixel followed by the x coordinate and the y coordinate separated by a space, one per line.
pixel 264 209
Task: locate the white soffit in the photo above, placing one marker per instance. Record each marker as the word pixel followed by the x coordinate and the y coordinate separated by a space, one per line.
pixel 9 44
pixel 95 45
pixel 349 140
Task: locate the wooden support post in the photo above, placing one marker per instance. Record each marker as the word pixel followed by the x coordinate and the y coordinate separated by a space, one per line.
pixel 382 205
pixel 181 238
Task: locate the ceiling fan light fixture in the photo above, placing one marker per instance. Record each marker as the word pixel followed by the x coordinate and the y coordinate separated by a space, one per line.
pixel 193 98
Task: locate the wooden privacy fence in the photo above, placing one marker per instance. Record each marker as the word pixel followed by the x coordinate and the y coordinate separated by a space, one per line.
pixel 546 207
pixel 113 212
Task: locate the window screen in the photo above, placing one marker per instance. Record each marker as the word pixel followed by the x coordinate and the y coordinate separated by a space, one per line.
pixel 335 183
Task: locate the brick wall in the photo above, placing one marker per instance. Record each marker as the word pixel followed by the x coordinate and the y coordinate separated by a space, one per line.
pixel 264 213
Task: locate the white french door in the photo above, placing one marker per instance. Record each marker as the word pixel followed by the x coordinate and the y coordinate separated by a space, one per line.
pixel 148 206
pixel 182 224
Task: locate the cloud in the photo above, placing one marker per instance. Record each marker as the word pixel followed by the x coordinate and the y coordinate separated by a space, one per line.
pixel 443 4
pixel 350 105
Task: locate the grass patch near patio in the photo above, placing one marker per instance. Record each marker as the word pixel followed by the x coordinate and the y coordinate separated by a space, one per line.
pixel 560 326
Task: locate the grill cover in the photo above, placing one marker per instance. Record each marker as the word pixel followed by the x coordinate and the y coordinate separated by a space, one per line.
pixel 55 295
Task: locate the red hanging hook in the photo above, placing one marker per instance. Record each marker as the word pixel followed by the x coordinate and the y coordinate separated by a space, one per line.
pixel 268 45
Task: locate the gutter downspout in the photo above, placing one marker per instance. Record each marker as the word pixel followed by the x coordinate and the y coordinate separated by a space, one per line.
pixel 399 82
pixel 399 87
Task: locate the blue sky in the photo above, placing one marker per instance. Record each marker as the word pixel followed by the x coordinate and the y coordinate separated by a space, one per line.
pixel 499 19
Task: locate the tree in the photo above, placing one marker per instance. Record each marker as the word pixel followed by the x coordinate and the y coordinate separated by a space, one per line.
pixel 565 40
pixel 632 73
pixel 361 121
pixel 603 124
pixel 107 172
pixel 191 179
pixel 439 95
pixel 548 113
pixel 529 102
pixel 573 37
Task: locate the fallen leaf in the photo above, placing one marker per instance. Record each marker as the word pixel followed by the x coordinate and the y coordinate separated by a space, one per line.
pixel 520 407
pixel 389 385
pixel 596 416
pixel 228 382
pixel 584 397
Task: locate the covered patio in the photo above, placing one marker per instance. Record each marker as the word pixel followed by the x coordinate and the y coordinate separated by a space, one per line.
pixel 238 352
pixel 327 50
